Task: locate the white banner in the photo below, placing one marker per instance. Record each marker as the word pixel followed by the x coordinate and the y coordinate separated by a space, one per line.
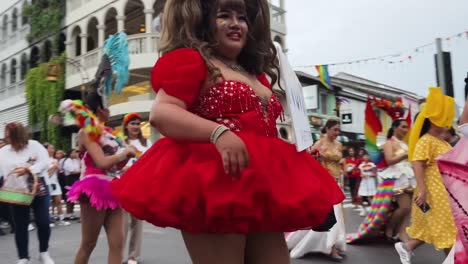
pixel 295 102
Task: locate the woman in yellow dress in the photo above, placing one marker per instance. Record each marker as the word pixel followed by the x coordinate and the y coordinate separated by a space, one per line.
pixel 431 215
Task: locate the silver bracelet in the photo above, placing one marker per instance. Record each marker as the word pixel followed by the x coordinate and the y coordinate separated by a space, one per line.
pixel 217 132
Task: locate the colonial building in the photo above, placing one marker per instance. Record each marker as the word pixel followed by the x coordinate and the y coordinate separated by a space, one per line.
pixel 16 56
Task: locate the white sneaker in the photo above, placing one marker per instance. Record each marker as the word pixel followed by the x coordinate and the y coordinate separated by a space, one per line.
pixel 405 254
pixel 23 261
pixel 45 258
pixel 52 225
pixel 132 261
pixel 63 223
pixel 363 212
pixel 31 227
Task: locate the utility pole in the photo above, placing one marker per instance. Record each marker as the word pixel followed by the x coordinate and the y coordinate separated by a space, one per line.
pixel 443 62
pixel 440 69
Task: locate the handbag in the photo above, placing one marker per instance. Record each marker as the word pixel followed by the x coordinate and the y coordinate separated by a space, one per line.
pixel 19 190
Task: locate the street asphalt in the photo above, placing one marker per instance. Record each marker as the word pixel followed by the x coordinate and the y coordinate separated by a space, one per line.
pixel 165 246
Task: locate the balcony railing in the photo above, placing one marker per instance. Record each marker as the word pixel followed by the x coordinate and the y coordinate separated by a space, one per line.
pixel 145 43
pixel 12 90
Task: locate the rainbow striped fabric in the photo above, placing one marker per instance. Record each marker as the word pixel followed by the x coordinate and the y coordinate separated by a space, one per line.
pixel 323 75
pixel 372 127
pixel 378 215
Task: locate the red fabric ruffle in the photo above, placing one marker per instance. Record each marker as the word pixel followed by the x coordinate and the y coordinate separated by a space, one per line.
pixel 183 185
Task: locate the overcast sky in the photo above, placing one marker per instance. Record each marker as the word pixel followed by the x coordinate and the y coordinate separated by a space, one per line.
pixel 325 32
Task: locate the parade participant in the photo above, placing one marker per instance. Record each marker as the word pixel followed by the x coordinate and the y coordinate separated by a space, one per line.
pixel 71 167
pixel 399 169
pixel 332 243
pixel 353 174
pixel 133 226
pixel 431 216
pixel 103 152
pixel 54 187
pixel 19 157
pixel 368 185
pixel 59 155
pixel 221 174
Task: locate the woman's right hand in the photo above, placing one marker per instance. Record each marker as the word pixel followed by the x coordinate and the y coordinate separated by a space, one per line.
pixel 421 198
pixel 130 151
pixel 233 153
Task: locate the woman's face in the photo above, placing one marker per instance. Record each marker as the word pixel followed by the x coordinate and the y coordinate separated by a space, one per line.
pixel 133 128
pixel 59 154
pixel 351 152
pixel 231 32
pixel 51 150
pixel 334 131
pixel 74 154
pixel 401 130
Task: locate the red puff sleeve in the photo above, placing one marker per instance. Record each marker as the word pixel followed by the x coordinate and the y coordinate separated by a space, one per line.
pixel 180 73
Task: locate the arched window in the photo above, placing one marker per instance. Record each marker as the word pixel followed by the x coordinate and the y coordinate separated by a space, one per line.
pixel 24 19
pixel 111 22
pixel 13 71
pixel 24 66
pixel 47 51
pixel 76 40
pixel 14 20
pixel 3 76
pixel 5 27
pixel 34 57
pixel 134 17
pixel 92 34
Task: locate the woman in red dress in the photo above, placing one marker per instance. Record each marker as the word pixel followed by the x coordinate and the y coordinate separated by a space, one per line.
pixel 221 174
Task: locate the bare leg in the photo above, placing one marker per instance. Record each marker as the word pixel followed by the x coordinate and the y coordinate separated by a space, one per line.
pixel 215 248
pixel 91 222
pixel 413 244
pixel 115 235
pixel 58 204
pixel 400 217
pixel 266 248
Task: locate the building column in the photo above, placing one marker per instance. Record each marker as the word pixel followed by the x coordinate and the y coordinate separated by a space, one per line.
pixel 148 21
pixel 7 77
pixel 69 49
pixel 120 23
pixel 101 35
pixel 84 43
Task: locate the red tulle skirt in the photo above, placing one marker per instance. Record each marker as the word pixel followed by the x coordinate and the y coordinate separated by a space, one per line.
pixel 183 185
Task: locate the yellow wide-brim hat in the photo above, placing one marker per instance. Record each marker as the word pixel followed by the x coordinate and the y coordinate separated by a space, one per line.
pixel 439 109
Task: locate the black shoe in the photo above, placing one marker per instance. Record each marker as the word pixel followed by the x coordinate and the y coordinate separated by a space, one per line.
pixel 2 233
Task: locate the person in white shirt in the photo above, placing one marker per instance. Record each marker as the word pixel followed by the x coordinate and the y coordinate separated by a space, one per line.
pixel 71 167
pixel 20 157
pixel 54 186
pixel 133 226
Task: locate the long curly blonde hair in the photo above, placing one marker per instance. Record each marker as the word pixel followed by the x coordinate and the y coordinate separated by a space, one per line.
pixel 191 24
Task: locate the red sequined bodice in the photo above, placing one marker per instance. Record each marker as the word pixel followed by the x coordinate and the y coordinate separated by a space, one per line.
pixel 235 105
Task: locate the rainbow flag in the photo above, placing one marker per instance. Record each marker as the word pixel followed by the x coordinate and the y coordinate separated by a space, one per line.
pixel 323 75
pixel 372 127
